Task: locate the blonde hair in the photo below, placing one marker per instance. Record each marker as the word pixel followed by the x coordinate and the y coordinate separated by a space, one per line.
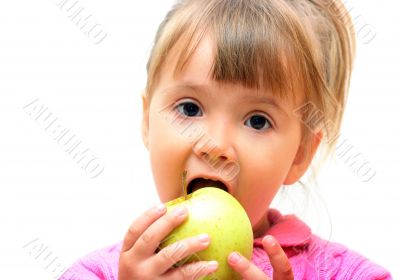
pixel 276 45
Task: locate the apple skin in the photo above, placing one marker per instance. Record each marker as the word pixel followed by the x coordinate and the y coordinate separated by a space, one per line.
pixel 222 217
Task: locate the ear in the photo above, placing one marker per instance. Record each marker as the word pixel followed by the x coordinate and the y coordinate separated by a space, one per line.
pixel 145 120
pixel 303 158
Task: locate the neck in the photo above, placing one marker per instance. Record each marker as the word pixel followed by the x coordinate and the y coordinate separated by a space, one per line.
pixel 261 227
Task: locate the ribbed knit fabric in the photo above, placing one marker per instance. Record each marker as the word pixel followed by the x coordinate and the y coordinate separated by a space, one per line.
pixel 311 257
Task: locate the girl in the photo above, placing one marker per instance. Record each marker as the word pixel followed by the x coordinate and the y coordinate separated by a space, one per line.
pixel 240 93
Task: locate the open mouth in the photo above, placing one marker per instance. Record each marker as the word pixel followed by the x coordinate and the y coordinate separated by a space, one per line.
pixel 199 183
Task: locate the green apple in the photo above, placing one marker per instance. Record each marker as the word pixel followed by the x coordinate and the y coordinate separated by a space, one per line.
pixel 217 213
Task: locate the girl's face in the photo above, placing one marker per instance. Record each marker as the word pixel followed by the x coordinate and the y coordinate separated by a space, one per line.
pixel 247 139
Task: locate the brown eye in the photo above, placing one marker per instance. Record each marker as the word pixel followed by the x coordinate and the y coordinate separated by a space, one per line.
pixel 258 122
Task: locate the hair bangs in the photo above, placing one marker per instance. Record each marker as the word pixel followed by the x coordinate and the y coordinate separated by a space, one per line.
pixel 252 53
pixel 255 58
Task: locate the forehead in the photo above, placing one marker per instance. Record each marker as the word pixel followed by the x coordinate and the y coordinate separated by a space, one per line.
pixel 200 64
pixel 201 67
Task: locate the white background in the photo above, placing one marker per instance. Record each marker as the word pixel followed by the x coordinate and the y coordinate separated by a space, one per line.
pixel 94 90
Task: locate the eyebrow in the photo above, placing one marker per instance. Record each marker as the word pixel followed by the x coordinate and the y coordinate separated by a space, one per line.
pixel 254 98
pixel 266 100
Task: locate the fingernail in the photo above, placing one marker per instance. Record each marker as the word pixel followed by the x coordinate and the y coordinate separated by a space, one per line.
pixel 160 208
pixel 204 238
pixel 269 239
pixel 234 258
pixel 213 265
pixel 180 211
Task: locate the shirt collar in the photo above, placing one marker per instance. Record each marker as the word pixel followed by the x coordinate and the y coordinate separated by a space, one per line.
pixel 288 230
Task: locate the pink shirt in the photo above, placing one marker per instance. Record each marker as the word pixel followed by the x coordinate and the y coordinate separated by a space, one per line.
pixel 311 257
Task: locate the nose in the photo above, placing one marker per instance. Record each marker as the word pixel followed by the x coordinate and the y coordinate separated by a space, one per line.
pixel 216 145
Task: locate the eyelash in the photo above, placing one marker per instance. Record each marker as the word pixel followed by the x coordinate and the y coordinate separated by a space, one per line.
pixel 268 122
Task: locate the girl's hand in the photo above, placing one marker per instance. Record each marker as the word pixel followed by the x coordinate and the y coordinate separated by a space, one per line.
pixel 139 260
pixel 279 262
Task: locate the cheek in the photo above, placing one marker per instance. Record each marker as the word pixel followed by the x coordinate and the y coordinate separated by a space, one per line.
pixel 268 161
pixel 167 156
pixel 259 190
pixel 264 167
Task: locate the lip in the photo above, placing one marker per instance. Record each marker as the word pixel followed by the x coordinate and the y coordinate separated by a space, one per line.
pixel 212 177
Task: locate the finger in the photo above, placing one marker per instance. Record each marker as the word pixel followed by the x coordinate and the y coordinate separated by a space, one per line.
pixel 279 261
pixel 148 242
pixel 177 251
pixel 191 271
pixel 246 268
pixel 141 224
